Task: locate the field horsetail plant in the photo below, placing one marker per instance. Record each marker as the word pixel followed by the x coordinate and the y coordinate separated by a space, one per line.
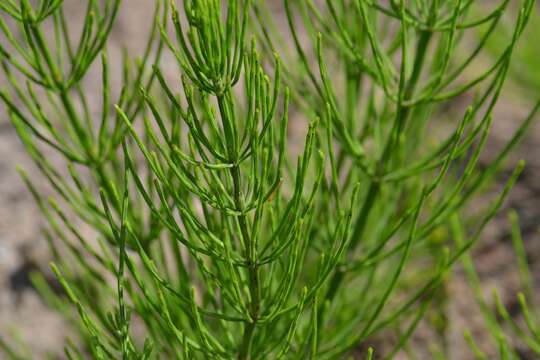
pixel 214 237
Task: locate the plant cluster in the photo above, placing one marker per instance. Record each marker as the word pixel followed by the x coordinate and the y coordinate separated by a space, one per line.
pixel 212 236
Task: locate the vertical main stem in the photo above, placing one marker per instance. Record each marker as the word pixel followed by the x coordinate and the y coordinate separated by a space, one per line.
pixel 249 243
pixel 375 185
pixel 250 254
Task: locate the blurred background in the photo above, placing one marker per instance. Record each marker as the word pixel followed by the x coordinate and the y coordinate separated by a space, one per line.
pixel 23 250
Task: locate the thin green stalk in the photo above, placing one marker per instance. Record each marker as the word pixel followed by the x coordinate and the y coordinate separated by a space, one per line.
pixel 375 185
pixel 252 268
